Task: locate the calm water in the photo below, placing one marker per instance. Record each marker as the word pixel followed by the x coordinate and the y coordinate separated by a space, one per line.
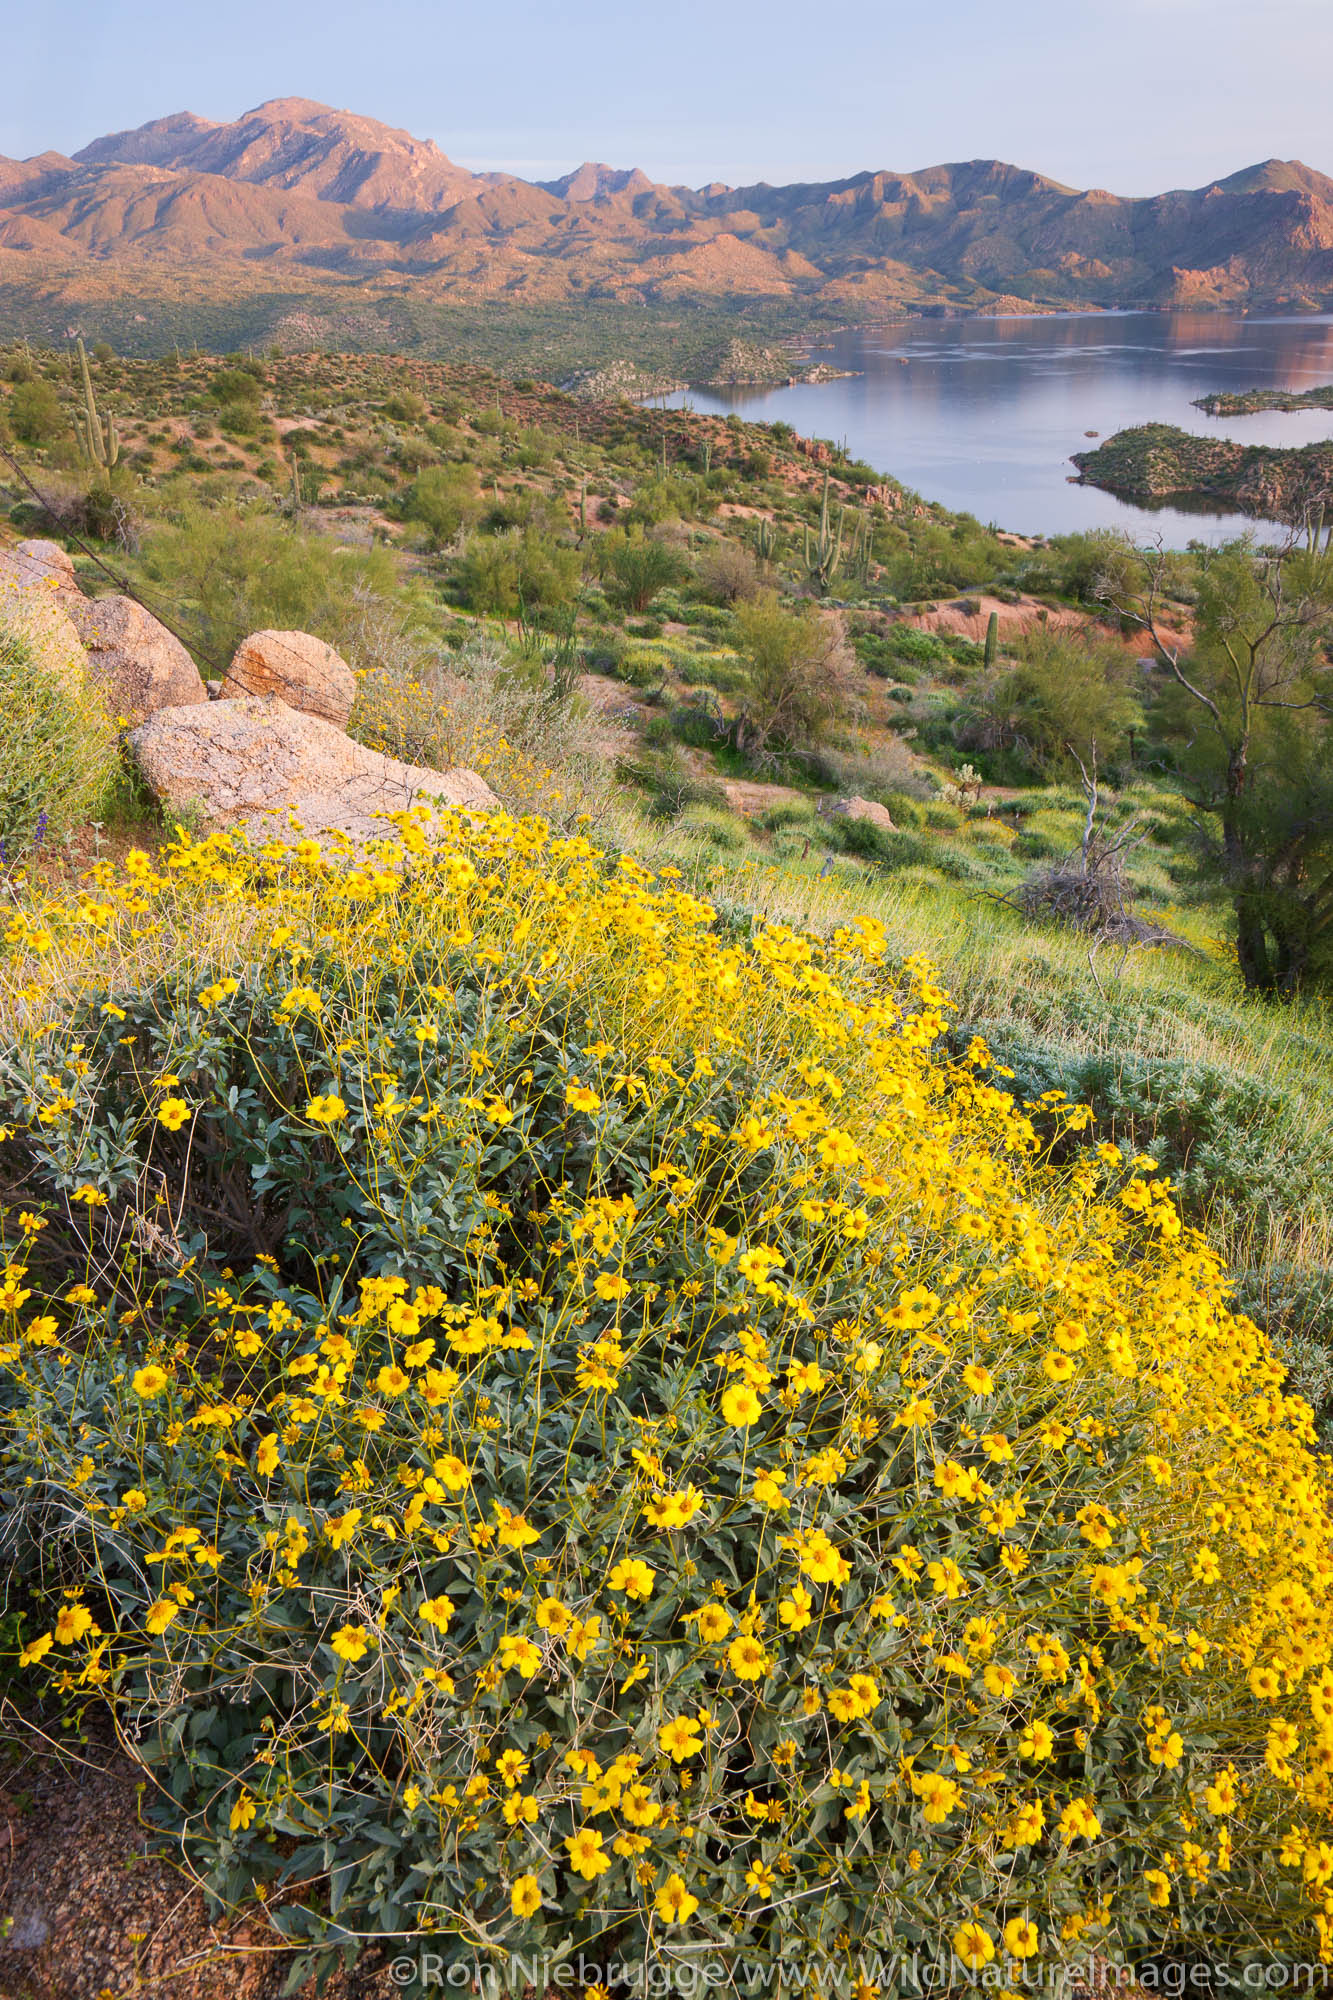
pixel 982 414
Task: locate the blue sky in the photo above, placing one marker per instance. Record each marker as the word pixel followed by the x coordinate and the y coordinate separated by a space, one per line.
pixel 1133 95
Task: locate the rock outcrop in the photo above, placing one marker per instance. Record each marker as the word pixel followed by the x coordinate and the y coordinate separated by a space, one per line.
pixel 40 563
pixel 254 763
pixel 37 612
pixel 136 663
pixel 301 670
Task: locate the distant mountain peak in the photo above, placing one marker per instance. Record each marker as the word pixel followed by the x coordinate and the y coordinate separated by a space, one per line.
pixel 594 181
pixel 295 193
pixel 146 145
pixel 294 107
pixel 301 146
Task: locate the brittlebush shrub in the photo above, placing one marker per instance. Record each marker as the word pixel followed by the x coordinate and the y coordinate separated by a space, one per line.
pixel 554 1424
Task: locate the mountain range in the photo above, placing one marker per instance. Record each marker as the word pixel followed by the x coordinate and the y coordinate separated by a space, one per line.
pixel 295 196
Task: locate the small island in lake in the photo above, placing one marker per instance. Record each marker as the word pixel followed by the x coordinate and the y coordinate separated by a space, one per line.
pixel 733 364
pixel 1249 402
pixel 1156 463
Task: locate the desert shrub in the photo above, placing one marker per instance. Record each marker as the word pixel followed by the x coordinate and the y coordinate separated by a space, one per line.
pixel 643 663
pixel 671 783
pixel 476 706
pixel 1222 1136
pixel 792 845
pixel 522 568
pixel 444 498
pixel 35 414
pixel 612 1437
pixel 868 841
pixel 956 860
pixel 59 759
pixel 721 671
pixel 869 769
pixel 990 832
pixel 712 618
pixel 528 508
pixel 536 448
pixel 728 573
pixel 237 393
pixel 1070 696
pixel 235 390
pixel 655 501
pixel 74 504
pixel 873 651
pixel 1038 843
pixel 790 813
pixel 700 723
pixel 911 642
pixel 412 453
pixel 230 570
pixel 635 567
pixel 925 561
pixel 1074 565
pixel 405 406
pixel 799 676
pixel 905 808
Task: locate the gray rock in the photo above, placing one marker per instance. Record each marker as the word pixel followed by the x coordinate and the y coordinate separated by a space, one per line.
pixel 859 808
pixel 255 764
pixel 139 665
pixel 299 669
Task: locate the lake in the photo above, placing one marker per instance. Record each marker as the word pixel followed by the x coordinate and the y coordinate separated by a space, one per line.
pixel 982 414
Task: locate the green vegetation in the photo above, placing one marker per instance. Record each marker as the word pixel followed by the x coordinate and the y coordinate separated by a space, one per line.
pixel 1157 462
pixel 610 612
pixel 553 1507
pixel 59 762
pixel 1248 402
pixel 1088 783
pixel 232 569
pixel 1251 698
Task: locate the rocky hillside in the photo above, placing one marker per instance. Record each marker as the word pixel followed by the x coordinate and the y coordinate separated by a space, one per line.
pixel 295 193
pixel 1156 462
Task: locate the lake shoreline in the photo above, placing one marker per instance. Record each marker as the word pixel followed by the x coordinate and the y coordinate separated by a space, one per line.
pixel 1254 402
pixel 983 414
pixel 1158 463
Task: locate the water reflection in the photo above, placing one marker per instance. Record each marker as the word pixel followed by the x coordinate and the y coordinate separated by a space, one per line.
pixel 982 414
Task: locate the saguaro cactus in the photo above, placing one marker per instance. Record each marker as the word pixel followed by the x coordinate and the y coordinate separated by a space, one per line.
pixel 862 549
pixel 992 639
pixel 96 434
pixel 824 554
